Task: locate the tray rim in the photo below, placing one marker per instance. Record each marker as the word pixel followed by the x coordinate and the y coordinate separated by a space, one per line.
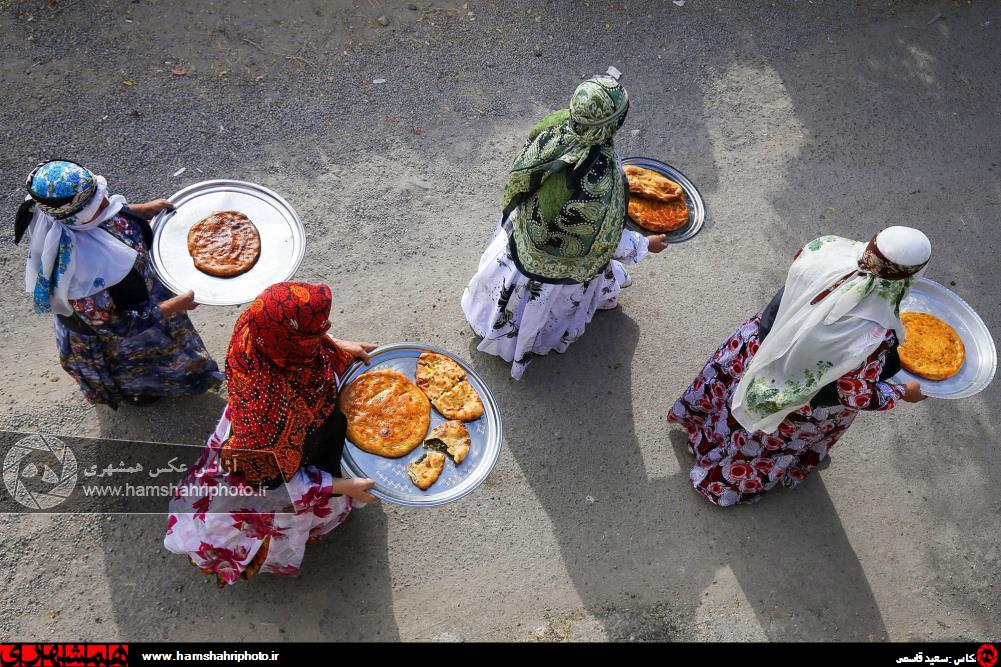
pixel 158 225
pixel 904 375
pixel 672 172
pixel 489 404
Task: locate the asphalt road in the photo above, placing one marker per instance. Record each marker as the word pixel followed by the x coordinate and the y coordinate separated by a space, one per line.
pixel 794 118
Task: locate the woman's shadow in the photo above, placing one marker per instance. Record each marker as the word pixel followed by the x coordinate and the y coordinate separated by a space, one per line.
pixel 344 591
pixel 793 561
pixel 639 546
pixel 569 424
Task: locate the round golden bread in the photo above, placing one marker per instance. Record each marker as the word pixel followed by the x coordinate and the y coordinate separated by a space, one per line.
pixel 387 414
pixel 931 349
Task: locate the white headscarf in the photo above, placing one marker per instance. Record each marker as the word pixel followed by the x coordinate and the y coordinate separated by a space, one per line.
pixel 73 258
pixel 840 298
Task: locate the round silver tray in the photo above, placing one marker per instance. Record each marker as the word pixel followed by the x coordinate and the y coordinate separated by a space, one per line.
pixel 927 296
pixel 283 241
pixel 696 207
pixel 390 475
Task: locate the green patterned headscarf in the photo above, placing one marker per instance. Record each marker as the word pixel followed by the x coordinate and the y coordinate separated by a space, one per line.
pixel 566 188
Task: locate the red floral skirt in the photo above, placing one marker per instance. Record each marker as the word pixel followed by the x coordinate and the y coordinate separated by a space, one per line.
pixel 732 465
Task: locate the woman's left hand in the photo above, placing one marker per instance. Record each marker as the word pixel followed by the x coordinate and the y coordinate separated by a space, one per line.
pixel 357 350
pixel 912 392
pixel 178 304
pixel 151 208
pixel 657 242
pixel 357 489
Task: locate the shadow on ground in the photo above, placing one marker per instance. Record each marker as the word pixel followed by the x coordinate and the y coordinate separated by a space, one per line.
pixel 656 542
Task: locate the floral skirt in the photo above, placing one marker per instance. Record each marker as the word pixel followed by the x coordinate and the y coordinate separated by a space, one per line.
pixel 732 465
pixel 167 359
pixel 230 535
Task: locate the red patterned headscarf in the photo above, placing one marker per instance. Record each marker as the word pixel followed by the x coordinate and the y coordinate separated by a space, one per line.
pixel 281 371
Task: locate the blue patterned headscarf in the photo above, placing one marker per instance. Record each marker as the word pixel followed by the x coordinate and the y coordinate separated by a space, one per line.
pixel 61 188
pixel 70 256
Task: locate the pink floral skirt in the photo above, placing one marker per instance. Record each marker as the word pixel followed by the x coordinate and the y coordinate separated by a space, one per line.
pixel 229 529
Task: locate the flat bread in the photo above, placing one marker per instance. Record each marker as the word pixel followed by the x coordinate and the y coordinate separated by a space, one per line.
pixel 454 439
pixel 931 349
pixel 437 373
pixel 442 379
pixel 425 471
pixel 224 244
pixel 387 414
pixel 652 185
pixel 658 216
pixel 460 402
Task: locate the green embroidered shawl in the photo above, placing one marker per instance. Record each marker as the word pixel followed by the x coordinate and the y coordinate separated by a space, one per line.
pixel 566 188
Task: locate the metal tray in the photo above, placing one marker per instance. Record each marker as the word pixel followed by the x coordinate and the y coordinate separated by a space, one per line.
pixel 390 475
pixel 283 241
pixel 927 296
pixel 696 208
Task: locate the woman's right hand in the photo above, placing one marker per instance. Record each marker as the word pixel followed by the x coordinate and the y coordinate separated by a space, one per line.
pixel 912 392
pixel 656 242
pixel 178 304
pixel 356 488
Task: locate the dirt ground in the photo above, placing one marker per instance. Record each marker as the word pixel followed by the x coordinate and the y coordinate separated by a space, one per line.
pixel 795 118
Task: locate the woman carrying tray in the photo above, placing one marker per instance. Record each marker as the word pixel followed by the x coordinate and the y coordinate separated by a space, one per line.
pixel 780 392
pixel 560 251
pixel 121 334
pixel 269 479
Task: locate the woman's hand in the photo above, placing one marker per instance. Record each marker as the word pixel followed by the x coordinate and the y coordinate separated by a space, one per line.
pixel 357 489
pixel 912 392
pixel 151 208
pixel 178 304
pixel 657 242
pixel 357 350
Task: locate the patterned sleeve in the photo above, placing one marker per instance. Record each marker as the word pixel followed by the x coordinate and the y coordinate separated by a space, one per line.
pixel 632 248
pixel 100 313
pixel 863 390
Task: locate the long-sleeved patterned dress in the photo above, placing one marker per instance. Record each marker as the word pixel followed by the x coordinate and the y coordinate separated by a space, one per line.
pixel 118 352
pixel 735 466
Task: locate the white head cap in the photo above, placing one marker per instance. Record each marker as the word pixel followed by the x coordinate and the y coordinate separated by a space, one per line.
pixel 905 246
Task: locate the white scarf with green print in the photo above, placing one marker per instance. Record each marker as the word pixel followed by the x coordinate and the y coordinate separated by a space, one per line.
pixel 812 345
